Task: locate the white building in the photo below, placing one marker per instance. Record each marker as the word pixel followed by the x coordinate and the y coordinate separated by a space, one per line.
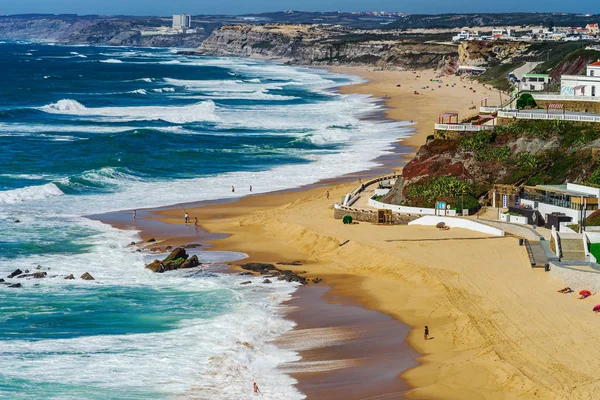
pixel 182 22
pixel 534 82
pixel 582 85
pixel 465 36
pixel 575 201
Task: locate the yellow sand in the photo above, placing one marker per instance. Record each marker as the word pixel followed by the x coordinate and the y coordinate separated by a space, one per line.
pixel 499 328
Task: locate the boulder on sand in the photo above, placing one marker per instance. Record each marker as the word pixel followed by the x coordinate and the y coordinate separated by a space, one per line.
pixel 87 277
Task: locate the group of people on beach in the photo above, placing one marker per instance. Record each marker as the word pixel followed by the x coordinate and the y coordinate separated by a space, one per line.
pixel 583 294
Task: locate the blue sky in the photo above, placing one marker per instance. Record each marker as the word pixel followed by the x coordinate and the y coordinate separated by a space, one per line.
pixel 167 7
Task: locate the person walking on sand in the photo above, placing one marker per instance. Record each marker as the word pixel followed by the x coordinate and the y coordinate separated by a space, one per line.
pixel 327 194
pixel 232 189
pixel 256 389
pixel 426 335
pixel 186 217
pixel 196 221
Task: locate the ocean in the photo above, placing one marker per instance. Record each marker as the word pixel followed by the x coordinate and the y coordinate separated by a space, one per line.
pixel 87 130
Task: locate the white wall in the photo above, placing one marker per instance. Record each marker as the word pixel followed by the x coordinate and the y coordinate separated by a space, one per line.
pixel 569 82
pixel 584 189
pixel 410 210
pixel 430 220
pixel 549 209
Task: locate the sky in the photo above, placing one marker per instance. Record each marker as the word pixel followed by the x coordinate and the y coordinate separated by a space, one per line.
pixel 168 7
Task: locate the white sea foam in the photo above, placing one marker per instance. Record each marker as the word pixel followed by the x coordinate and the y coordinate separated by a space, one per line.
pixel 216 358
pixel 138 91
pixel 162 90
pixel 203 111
pixel 30 193
pixel 112 61
pixel 149 80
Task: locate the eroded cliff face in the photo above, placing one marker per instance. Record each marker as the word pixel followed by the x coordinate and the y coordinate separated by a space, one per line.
pixel 320 45
pixel 483 53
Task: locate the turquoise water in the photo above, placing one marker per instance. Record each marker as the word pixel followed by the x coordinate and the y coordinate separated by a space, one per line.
pixel 86 130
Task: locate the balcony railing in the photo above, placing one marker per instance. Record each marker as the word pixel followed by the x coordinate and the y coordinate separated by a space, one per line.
pixel 463 127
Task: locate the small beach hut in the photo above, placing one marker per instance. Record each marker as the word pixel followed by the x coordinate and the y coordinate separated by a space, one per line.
pixel 446 118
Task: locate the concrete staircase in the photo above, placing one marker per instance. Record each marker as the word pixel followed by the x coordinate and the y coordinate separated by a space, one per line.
pixel 572 249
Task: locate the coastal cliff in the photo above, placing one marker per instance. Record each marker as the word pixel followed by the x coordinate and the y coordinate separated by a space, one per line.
pixel 523 152
pixel 321 45
pixel 93 31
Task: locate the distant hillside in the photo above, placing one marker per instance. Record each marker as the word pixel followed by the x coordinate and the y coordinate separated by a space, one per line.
pixel 486 19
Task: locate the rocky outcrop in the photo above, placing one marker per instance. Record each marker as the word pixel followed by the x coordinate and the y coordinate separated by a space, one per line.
pixel 90 30
pixel 523 152
pixel 15 273
pixel 87 277
pixel 322 45
pixel 476 53
pixel 273 271
pixel 177 259
pixel 35 275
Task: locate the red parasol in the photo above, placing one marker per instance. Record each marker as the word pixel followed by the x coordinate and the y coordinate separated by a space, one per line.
pixel 584 292
pixel 596 307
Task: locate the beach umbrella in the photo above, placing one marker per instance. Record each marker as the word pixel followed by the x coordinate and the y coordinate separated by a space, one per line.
pixel 596 307
pixel 584 292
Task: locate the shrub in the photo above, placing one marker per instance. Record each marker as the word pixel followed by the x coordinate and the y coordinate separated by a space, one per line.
pixel 526 101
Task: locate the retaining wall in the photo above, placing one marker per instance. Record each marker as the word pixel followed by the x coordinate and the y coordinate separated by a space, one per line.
pixel 369 215
pixel 431 220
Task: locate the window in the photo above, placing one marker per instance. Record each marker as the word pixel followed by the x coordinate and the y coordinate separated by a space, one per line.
pixel 593 90
pixel 591 72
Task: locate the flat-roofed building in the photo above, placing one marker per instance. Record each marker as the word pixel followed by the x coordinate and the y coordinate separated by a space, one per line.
pixel 582 85
pixel 534 82
pixel 182 22
pixel 573 200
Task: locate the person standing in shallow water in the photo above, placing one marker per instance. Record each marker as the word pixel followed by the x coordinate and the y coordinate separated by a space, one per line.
pixel 250 187
pixel 256 389
pixel 186 218
pixel 134 214
pixel 426 334
pixel 232 189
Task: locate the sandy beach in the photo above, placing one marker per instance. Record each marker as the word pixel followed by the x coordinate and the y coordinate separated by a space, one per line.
pixel 498 328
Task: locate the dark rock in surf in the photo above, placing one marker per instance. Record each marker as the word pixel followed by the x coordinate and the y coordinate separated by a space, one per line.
pixel 177 259
pixel 70 277
pixel 87 277
pixel 151 240
pixel 16 285
pixel 266 281
pixel 246 283
pixel 156 266
pixel 15 273
pixel 36 275
pixel 190 262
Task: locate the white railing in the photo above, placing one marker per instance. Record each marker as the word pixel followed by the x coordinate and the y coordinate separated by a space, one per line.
pixel 539 96
pixel 463 127
pixel 489 109
pixel 542 116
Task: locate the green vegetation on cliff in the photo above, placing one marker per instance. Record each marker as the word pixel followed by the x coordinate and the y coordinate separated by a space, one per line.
pixel 520 153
